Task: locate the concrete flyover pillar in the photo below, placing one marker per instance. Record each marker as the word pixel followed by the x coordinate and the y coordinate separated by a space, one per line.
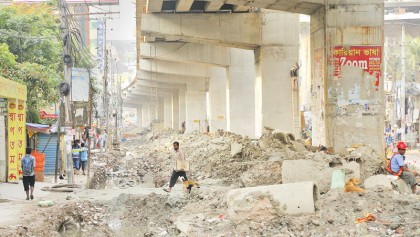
pixel 145 114
pixel 347 42
pixel 168 114
pixel 161 110
pixel 274 34
pixel 139 122
pixel 182 107
pixel 196 113
pixel 217 99
pixel 241 93
pixel 274 59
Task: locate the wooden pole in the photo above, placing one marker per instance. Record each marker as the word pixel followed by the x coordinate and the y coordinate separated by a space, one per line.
pixel 58 152
pixel 90 126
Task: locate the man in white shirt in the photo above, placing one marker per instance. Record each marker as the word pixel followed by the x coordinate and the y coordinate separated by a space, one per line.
pixel 177 154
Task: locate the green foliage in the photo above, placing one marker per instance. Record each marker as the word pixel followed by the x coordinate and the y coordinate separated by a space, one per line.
pixel 413 53
pixel 7 59
pixel 30 53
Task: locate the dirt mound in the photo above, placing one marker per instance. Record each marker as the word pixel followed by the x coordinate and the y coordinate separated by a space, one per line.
pixel 71 219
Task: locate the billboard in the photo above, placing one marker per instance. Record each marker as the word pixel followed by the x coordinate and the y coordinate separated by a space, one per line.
pixel 368 58
pixel 79 84
pixel 100 43
pixel 89 2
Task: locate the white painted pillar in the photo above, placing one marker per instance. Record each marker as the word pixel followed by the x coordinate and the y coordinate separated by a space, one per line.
pixel 217 94
pixel 241 93
pixel 167 103
pixel 196 111
pixel 280 51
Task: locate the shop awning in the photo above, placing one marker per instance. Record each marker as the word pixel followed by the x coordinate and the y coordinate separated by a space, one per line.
pixel 38 128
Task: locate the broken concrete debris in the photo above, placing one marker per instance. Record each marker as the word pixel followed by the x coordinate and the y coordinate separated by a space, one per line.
pixel 265 187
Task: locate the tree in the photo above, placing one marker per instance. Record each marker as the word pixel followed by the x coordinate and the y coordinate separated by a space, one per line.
pixel 32 33
pixel 7 59
pixel 30 53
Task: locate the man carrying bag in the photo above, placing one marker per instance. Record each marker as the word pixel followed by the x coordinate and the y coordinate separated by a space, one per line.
pixel 181 166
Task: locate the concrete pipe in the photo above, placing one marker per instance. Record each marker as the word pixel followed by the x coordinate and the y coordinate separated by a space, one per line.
pixel 291 137
pixel 281 136
pixel 263 203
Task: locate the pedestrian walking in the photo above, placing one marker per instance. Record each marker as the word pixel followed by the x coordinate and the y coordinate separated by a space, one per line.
pixel 83 157
pixel 177 155
pixel 28 164
pixel 76 155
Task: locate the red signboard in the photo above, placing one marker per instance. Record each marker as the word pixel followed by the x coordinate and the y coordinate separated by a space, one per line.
pixel 369 58
pixel 44 115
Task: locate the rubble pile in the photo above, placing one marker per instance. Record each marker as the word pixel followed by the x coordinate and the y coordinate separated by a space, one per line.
pixel 69 219
pixel 221 163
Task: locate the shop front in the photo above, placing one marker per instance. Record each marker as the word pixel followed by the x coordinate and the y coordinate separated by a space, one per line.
pixel 12 129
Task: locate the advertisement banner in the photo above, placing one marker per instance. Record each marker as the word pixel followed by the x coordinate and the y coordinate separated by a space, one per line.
pixel 368 58
pixel 100 43
pixel 12 152
pixel 79 84
pixel 20 134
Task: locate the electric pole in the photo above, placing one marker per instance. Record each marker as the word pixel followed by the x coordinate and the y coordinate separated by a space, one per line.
pixel 67 79
pixel 106 95
pixel 402 98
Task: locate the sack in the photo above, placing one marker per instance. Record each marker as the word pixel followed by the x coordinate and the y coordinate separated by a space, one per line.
pixel 27 165
pixel 182 165
pixel 388 168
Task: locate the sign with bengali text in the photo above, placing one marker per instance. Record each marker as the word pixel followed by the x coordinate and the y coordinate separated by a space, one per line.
pixel 368 58
pixel 12 152
pixel 21 134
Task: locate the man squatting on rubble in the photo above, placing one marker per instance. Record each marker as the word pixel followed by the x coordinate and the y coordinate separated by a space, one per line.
pixel 177 154
pixel 399 167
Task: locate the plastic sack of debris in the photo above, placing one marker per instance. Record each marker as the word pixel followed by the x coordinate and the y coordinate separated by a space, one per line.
pixel 338 179
pixel 47 203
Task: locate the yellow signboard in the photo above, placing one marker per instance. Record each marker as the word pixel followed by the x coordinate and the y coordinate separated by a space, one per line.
pixel 12 143
pixel 12 90
pixel 21 138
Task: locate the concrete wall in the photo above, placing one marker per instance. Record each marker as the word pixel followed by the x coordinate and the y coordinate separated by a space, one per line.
pixel 354 105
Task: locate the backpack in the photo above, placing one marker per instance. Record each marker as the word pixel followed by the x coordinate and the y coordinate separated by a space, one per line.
pixel 27 165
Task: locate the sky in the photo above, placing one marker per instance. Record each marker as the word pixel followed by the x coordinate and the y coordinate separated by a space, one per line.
pixel 122 26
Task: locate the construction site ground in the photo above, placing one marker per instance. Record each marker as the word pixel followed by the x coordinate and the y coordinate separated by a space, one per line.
pixel 125 196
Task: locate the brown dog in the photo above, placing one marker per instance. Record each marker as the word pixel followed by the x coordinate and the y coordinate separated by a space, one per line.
pixel 351 186
pixel 189 184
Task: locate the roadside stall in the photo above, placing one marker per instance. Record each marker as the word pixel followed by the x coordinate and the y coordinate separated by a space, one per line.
pixel 12 129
